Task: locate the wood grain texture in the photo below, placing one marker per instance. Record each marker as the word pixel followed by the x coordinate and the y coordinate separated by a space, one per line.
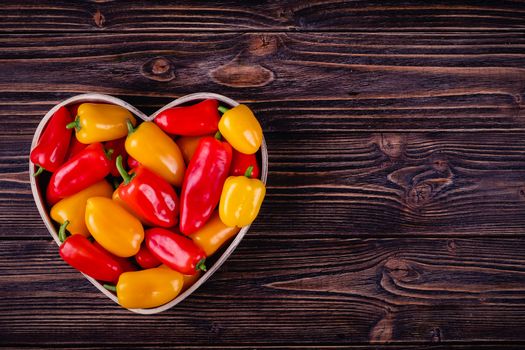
pixel 353 291
pixel 300 81
pixel 103 16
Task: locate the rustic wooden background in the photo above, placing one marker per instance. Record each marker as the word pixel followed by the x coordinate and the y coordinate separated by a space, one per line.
pixel 395 212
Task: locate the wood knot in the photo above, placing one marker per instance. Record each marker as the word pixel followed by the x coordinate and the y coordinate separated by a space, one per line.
pixel 263 45
pixel 419 195
pixel 99 19
pixel 435 333
pixel 521 192
pixel 451 246
pixel 159 69
pixel 393 145
pixel 239 75
pixel 400 270
pixel 382 330
pixel 440 165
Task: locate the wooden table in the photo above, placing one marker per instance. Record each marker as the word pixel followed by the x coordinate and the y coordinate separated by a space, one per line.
pixel 395 212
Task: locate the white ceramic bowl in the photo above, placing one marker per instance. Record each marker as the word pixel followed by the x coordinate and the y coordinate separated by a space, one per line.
pixel 100 98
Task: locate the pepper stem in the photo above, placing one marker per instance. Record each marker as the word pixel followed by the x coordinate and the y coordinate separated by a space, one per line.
pixel 249 172
pixel 131 128
pixel 200 265
pixel 125 176
pixel 39 171
pixel 109 153
pixel 74 124
pixel 218 135
pixel 223 109
pixel 110 287
pixel 62 231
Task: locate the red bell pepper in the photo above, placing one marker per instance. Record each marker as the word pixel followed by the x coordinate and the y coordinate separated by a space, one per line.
pixel 148 196
pixel 80 253
pixel 175 251
pixel 52 146
pixel 75 147
pixel 118 150
pixel 83 170
pixel 124 263
pixel 132 162
pixel 241 162
pixel 199 119
pixel 203 181
pixel 145 258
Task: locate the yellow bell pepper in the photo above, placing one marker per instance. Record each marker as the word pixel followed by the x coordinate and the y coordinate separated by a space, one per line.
pixel 213 234
pixel 241 129
pixel 113 227
pixel 241 199
pixel 97 122
pixel 151 147
pixel 188 146
pixel 189 280
pixel 73 208
pixel 148 288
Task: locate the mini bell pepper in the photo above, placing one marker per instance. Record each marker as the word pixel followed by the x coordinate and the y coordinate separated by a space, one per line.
pixel 188 145
pixel 149 196
pixel 176 251
pixel 118 231
pixel 151 147
pixel 241 129
pixel 75 147
pixel 52 146
pixel 73 208
pixel 241 199
pixel 118 150
pixel 124 263
pixel 148 288
pixel 98 122
pixel 213 234
pixel 145 258
pixel 80 253
pixel 203 183
pixel 241 162
pixel 189 280
pixel 132 162
pixel 197 120
pixel 83 170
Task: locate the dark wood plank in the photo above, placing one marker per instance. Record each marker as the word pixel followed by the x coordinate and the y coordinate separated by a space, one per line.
pixel 286 291
pixel 367 184
pixel 103 16
pixel 301 81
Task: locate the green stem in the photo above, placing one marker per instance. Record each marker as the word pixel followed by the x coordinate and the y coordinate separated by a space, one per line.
pixel 109 153
pixel 110 287
pixel 218 135
pixel 249 172
pixel 200 265
pixel 122 171
pixel 74 124
pixel 131 129
pixel 39 171
pixel 62 231
pixel 223 109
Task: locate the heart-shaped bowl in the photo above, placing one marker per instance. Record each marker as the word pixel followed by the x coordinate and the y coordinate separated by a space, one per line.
pixel 101 98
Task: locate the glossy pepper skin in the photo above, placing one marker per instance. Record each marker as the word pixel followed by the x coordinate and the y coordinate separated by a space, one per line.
pixel 118 150
pixel 73 208
pixel 125 264
pixel 149 196
pixel 213 234
pixel 241 129
pixel 53 144
pixel 98 122
pixel 175 251
pixel 88 167
pixel 80 253
pixel 188 145
pixel 145 258
pixel 132 162
pixel 148 288
pixel 151 147
pixel 203 183
pixel 241 162
pixel 241 200
pixel 197 120
pixel 118 231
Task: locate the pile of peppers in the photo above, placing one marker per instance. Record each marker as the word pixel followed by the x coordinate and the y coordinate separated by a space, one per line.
pixel 141 206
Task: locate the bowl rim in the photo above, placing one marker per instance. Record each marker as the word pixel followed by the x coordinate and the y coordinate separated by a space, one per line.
pixel 96 97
